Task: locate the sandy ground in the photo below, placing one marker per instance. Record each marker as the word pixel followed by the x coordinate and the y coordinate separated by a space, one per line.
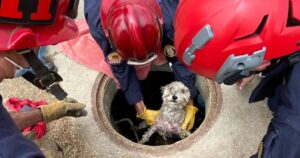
pixel 62 131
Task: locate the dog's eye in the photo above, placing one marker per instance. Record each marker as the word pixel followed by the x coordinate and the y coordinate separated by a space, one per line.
pixel 182 91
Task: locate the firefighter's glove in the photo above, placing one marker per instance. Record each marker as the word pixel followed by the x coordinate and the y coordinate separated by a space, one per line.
pixel 59 109
pixel 149 116
pixel 189 120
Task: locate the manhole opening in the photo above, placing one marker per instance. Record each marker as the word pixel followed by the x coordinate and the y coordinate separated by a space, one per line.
pixel 123 116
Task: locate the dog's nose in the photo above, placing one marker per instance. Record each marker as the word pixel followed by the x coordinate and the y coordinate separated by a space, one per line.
pixel 174 97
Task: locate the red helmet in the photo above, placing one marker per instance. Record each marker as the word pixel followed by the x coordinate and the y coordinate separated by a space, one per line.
pixel 219 38
pixel 134 28
pixel 38 23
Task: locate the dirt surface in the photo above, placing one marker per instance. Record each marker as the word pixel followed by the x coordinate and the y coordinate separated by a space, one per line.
pixel 62 131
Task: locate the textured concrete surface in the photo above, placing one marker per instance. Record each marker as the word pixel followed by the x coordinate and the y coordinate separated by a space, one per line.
pixel 235 134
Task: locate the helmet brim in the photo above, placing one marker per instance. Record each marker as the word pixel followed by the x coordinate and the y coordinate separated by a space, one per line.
pixel 16 37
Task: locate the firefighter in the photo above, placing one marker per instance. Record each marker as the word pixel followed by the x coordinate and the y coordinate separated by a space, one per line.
pixel 228 41
pixel 23 28
pixel 133 33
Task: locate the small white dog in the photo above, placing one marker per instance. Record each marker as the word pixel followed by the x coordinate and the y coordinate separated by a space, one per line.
pixel 172 113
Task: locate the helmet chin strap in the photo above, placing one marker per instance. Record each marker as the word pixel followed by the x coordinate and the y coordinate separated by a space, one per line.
pixel 138 63
pixel 43 77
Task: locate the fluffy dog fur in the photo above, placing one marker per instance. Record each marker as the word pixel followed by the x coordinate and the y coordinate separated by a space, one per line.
pixel 172 113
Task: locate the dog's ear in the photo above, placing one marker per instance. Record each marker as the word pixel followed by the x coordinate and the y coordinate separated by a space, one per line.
pixel 163 88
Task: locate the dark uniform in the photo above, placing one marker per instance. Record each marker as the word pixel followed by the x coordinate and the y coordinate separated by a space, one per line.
pixel 126 74
pixel 12 143
pixel 282 86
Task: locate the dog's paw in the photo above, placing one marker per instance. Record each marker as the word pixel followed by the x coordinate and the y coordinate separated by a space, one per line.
pixel 184 133
pixel 143 141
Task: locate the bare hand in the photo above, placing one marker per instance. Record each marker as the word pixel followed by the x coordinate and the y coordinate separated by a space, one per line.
pixel 245 81
pixel 241 84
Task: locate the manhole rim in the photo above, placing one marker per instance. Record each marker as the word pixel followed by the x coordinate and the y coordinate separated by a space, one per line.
pixel 122 142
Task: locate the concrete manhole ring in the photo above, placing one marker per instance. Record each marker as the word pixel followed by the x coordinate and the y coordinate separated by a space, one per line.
pixel 104 90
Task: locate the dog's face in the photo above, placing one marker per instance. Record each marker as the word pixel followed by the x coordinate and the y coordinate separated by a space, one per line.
pixel 176 93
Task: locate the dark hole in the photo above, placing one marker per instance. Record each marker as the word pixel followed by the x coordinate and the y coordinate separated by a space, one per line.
pixel 123 115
